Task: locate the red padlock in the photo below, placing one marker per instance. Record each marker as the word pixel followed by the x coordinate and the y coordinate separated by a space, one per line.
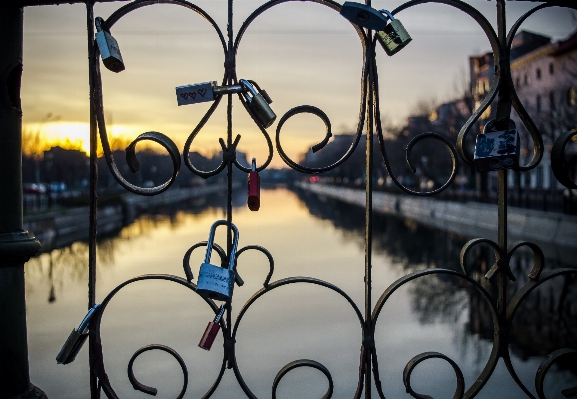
pixel 253 201
pixel 211 331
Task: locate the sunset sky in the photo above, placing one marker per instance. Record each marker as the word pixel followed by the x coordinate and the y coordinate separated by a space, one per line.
pixel 300 53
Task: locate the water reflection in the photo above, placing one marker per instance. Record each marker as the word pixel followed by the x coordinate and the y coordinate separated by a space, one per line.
pixel 70 263
pixel 545 321
pixel 301 321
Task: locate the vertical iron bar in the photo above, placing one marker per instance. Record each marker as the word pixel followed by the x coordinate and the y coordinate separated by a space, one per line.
pixel 16 245
pixel 502 122
pixel 93 222
pixel 369 211
pixel 229 81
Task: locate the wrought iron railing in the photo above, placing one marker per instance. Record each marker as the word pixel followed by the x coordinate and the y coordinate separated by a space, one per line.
pixel 502 309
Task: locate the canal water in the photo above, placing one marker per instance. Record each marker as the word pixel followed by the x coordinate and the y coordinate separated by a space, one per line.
pixel 307 236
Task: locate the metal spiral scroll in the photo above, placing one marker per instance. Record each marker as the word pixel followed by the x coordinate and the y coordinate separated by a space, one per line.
pixel 502 313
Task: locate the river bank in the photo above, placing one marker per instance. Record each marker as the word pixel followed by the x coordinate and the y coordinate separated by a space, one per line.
pixel 555 233
pixel 63 227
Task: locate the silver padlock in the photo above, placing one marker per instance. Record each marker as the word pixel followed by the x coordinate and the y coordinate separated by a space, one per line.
pixel 216 282
pixel 202 92
pixel 394 37
pixel 258 104
pixel 108 48
pixel 496 150
pixel 76 339
pixel 196 93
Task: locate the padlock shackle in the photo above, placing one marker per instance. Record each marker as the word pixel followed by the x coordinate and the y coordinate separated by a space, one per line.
pixel 210 241
pixel 253 165
pixel 248 86
pixel 388 14
pixel 219 314
pixel 227 89
pixel 84 324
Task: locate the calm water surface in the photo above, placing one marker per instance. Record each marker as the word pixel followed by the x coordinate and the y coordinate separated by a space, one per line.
pixel 307 237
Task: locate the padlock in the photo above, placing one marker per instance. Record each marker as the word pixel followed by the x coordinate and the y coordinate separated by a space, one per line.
pixel 394 37
pixel 217 282
pixel 496 150
pixel 203 92
pixel 196 93
pixel 253 201
pixel 108 48
pixel 363 16
pixel 76 339
pixel 258 104
pixel 211 330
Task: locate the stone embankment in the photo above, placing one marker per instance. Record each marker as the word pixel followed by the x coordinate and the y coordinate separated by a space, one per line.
pixel 61 228
pixel 555 233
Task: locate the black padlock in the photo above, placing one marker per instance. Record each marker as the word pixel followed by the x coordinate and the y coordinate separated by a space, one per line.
pixel 497 149
pixel 76 339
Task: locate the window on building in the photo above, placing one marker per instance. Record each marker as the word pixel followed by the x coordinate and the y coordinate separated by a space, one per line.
pixel 481 86
pixel 518 82
pixel 551 68
pixel 538 73
pixel 572 96
pixel 527 79
pixel 552 101
pixel 538 103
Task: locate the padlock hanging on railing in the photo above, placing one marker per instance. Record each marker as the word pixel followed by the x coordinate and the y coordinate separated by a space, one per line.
pixel 253 200
pixel 496 150
pixel 212 329
pixel 108 47
pixel 76 339
pixel 392 36
pixel 258 101
pixel 258 104
pixel 216 282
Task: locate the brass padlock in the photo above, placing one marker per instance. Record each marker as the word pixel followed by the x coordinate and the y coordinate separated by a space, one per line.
pixel 76 339
pixel 258 104
pixel 394 37
pixel 496 150
pixel 108 48
pixel 216 282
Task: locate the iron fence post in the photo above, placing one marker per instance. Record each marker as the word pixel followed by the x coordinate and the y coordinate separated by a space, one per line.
pixel 16 245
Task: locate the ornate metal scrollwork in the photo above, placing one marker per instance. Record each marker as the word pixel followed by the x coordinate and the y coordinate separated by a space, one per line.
pixel 502 312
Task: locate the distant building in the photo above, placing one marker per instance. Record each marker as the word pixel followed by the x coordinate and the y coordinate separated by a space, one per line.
pixel 68 166
pixel 544 74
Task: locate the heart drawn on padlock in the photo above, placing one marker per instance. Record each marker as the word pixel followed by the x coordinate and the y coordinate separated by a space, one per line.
pixel 202 91
pixel 192 95
pixel 184 95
